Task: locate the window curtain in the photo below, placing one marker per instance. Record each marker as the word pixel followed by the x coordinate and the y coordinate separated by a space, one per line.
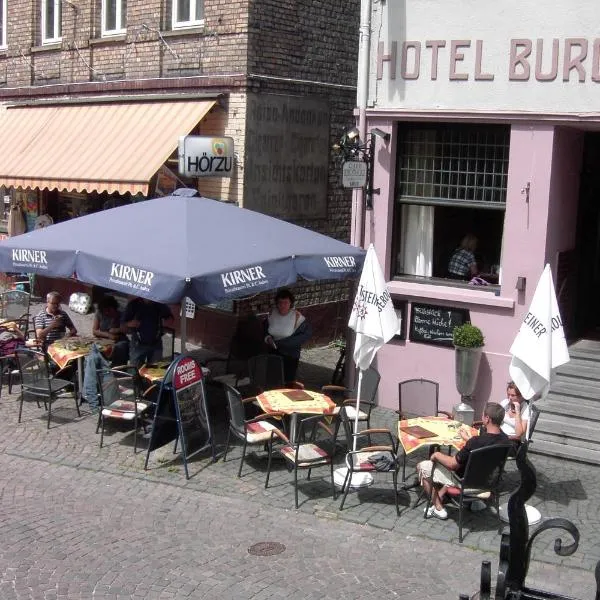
pixel 416 252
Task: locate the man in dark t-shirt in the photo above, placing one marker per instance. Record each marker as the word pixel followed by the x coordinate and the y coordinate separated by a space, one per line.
pixel 449 467
pixel 143 320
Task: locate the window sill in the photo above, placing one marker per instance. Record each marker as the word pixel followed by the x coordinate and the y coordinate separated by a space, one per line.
pixel 108 39
pixel 47 47
pixel 465 295
pixel 191 30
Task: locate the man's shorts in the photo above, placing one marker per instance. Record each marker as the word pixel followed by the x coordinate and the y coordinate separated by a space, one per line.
pixel 442 475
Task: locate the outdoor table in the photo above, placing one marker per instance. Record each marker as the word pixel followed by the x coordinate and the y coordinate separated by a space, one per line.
pixel 71 348
pixel 293 402
pixel 155 372
pixel 445 433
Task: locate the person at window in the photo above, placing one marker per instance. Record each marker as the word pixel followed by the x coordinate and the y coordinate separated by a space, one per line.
pixel 52 323
pixel 287 330
pixel 144 320
pixel 107 324
pixel 450 466
pixel 517 413
pixel 462 263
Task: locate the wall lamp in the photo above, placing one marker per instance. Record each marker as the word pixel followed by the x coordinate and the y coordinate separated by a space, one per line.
pixel 352 148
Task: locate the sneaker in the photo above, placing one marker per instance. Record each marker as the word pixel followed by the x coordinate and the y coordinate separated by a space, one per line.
pixel 432 511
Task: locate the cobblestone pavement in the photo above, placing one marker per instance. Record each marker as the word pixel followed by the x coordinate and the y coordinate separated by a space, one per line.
pixel 83 522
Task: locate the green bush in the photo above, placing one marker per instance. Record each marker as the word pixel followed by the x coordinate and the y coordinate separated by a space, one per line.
pixel 467 336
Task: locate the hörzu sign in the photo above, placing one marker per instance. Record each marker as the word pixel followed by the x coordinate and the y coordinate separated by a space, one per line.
pixel 204 156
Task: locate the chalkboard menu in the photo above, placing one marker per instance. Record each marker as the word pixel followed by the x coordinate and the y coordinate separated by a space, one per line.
pixel 181 412
pixel 431 324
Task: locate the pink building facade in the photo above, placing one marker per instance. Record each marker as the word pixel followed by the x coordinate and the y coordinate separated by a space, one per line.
pixel 493 113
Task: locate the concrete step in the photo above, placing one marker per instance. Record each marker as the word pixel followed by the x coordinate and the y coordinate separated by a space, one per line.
pixel 584 354
pixel 585 345
pixel 548 448
pixel 569 388
pixel 571 407
pixel 580 369
pixel 568 427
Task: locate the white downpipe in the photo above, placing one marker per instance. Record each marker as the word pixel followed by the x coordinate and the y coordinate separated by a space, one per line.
pixel 362 92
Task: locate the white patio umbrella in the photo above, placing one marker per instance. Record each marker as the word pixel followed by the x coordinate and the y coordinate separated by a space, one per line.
pixel 539 348
pixel 375 322
pixel 540 345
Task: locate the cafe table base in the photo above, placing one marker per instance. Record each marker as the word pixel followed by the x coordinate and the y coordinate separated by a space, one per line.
pixel 533 514
pixel 358 480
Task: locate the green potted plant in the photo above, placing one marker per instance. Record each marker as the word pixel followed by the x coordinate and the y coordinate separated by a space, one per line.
pixel 468 344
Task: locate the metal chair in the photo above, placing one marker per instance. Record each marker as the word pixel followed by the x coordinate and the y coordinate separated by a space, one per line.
pixel 481 480
pixel 14 304
pixel 418 398
pixel 120 399
pixel 37 382
pixel 266 372
pixel 306 452
pixel 246 342
pixel 168 344
pixel 255 431
pixel 379 456
pixel 346 397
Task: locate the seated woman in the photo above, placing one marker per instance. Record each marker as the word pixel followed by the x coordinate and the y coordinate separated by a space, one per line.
pixel 107 324
pixel 287 330
pixel 516 417
pixel 462 263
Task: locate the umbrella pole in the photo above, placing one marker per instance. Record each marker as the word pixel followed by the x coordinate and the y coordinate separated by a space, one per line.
pixel 358 480
pixel 358 390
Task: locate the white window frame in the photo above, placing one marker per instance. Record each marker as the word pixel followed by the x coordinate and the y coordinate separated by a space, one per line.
pixel 57 32
pixel 3 44
pixel 175 24
pixel 119 27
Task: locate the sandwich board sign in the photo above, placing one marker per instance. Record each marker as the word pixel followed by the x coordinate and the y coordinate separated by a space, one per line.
pixel 181 412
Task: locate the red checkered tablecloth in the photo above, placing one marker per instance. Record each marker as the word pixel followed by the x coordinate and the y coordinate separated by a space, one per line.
pixel 445 430
pixel 276 401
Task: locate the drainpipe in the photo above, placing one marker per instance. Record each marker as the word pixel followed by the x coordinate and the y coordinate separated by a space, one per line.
pixel 362 91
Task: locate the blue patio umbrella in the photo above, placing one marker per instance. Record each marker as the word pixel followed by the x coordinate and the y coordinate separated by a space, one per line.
pixel 181 245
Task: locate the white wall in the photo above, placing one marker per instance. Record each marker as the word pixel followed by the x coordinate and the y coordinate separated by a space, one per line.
pixel 485 78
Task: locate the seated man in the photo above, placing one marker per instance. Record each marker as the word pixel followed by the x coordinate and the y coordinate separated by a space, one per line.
pixel 448 466
pixel 51 324
pixel 143 320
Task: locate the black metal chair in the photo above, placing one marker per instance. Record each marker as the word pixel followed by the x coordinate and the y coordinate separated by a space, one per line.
pixel 255 431
pixel 266 373
pixel 247 341
pixel 14 304
pixel 346 397
pixel 379 456
pixel 119 395
pixel 481 480
pixel 37 381
pixel 307 452
pixel 168 344
pixel 418 398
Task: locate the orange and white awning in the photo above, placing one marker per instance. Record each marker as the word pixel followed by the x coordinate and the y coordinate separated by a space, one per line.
pixel 104 147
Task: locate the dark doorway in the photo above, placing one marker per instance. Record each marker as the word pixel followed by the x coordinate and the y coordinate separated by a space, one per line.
pixel 587 308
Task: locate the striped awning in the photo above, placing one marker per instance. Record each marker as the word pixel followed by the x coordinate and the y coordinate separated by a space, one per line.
pixel 104 147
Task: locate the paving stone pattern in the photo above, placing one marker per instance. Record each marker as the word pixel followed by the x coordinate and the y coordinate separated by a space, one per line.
pixel 78 521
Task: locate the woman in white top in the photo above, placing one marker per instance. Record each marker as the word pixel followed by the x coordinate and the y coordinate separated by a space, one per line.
pixel 287 330
pixel 517 413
